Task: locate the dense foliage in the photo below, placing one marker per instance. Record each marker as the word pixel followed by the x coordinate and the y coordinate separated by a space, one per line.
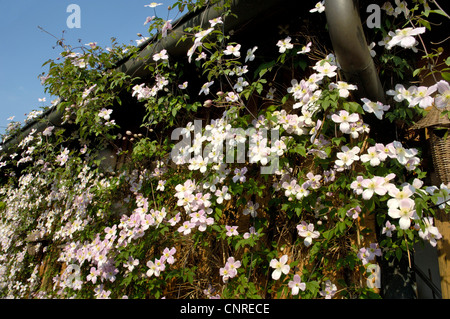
pixel 294 200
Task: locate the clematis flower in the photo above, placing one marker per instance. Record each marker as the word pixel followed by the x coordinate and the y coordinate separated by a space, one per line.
pixel 251 209
pixel 343 88
pixel 149 19
pixel 231 230
pixel 422 97
pixel 347 156
pixel 404 37
pixel 168 255
pixel 374 185
pixel 325 69
pixel 430 233
pixel 305 48
pixel 405 212
pixel 162 55
pixel 296 285
pixel 48 131
pixel 215 21
pixel 442 99
pixel 250 56
pixel 233 50
pixel 377 108
pixel 106 114
pixel 153 5
pixel 63 157
pixel 373 156
pixel 329 291
pixel 319 7
pixel 284 44
pixel 280 267
pixel 343 118
pixel 205 88
pixel 400 93
pixel 308 233
pixel 388 229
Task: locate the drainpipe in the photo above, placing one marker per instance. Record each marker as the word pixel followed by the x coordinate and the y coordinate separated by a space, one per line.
pixel 351 50
pixel 357 67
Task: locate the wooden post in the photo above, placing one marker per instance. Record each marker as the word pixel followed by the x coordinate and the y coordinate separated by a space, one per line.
pixel 442 222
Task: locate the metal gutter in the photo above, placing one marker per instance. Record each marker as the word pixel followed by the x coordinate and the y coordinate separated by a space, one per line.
pixel 351 49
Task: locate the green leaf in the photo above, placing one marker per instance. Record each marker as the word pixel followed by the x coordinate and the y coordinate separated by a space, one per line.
pixel 446 76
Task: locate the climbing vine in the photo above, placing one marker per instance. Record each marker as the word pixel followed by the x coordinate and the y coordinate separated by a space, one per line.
pixel 293 198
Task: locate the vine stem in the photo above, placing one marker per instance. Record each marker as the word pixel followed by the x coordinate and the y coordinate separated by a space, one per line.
pixel 407 249
pixel 440 8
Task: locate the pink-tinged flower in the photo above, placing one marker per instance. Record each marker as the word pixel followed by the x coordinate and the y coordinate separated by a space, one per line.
pixel 357 185
pixel 325 69
pixel 251 232
pixel 354 212
pixel 377 108
pixel 105 114
pixel 296 285
pixel 48 131
pixel 313 180
pixel 280 267
pixel 404 37
pixel 343 88
pixel 162 55
pixel 239 175
pixel 131 263
pixel 305 48
pixel 149 19
pixel 284 44
pixel 155 268
pixel 442 99
pixel 166 27
pixel 343 118
pixel 233 50
pixel 422 97
pixel 388 229
pixel 93 273
pixel 183 86
pixel 63 157
pixel 230 269
pixel 347 156
pixel 93 45
pixel 374 185
pixel 205 88
pixel 186 228
pixel 222 195
pixel 319 7
pixel 251 209
pixel 405 212
pixel 308 233
pixel 215 21
pixel 168 255
pixel 329 291
pixel 250 56
pixel 430 233
pixel 373 156
pixel 363 255
pixel 397 195
pixel 400 93
pixel 231 230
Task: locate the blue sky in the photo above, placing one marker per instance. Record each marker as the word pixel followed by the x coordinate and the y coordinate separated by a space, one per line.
pixel 25 47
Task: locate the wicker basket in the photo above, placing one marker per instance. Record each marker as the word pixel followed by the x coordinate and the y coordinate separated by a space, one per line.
pixel 440 146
